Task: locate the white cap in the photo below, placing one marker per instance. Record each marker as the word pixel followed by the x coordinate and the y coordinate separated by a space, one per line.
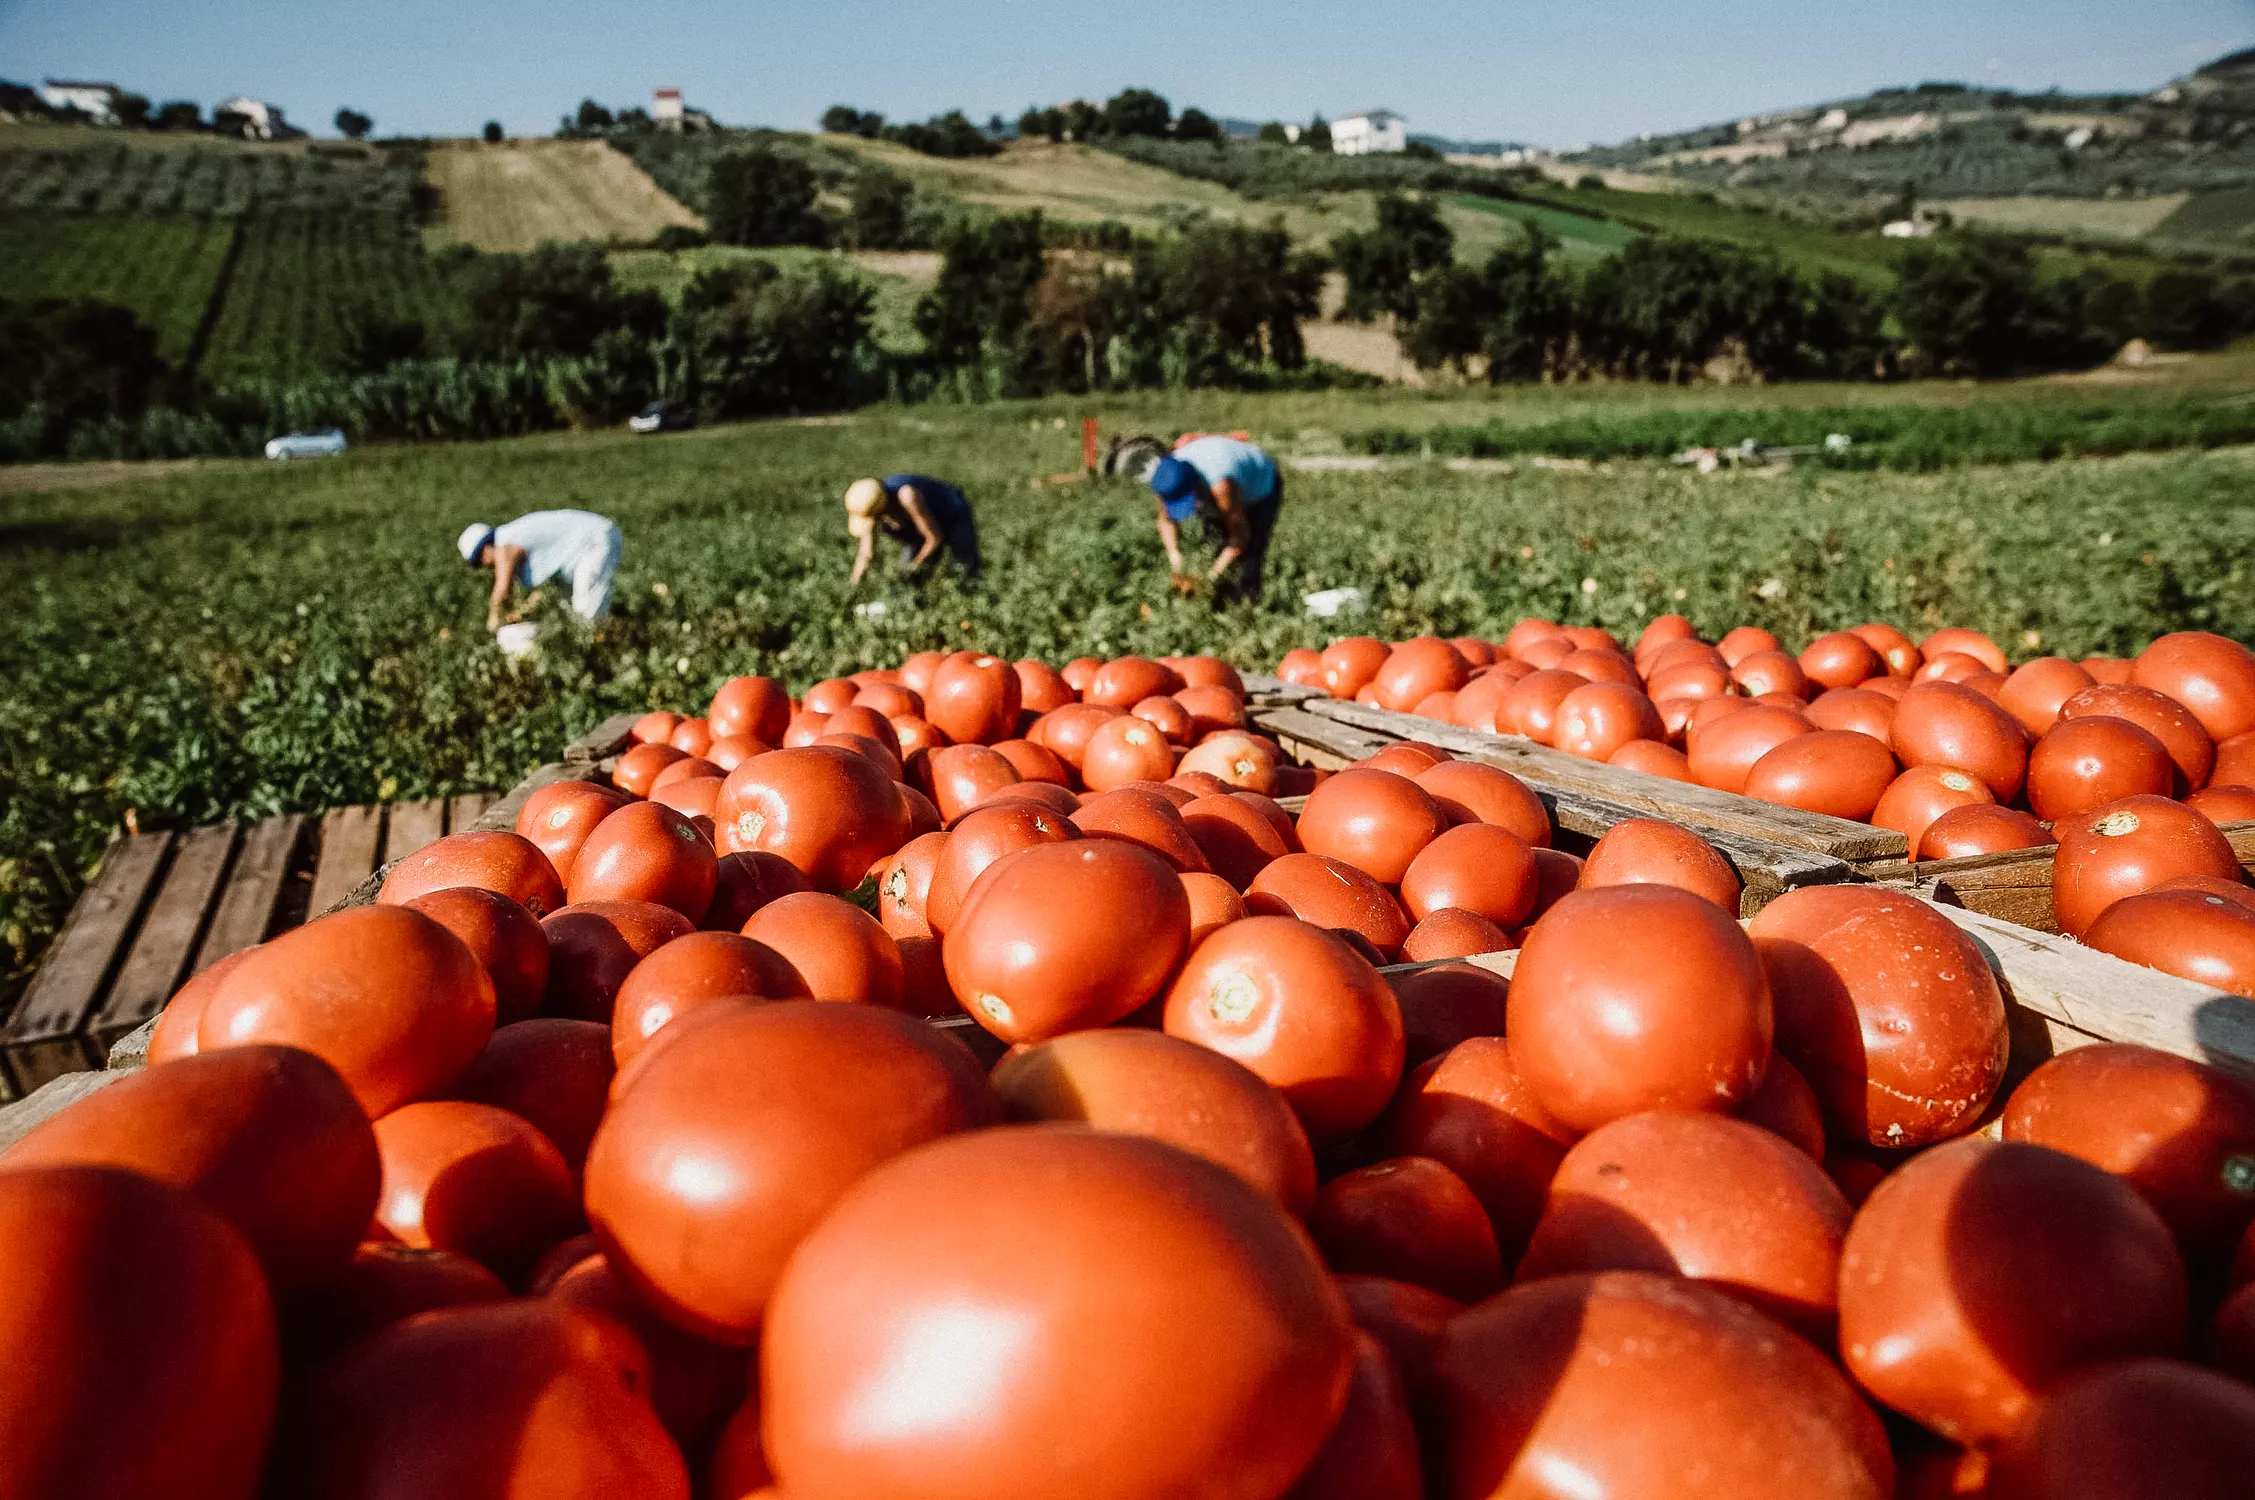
pixel 474 536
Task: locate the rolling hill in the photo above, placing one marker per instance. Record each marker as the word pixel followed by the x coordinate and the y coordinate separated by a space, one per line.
pixel 517 194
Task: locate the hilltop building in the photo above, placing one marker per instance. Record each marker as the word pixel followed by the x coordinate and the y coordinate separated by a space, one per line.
pixel 97 101
pixel 1369 132
pixel 669 113
pixel 255 120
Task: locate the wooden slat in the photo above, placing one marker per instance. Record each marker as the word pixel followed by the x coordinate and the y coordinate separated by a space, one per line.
pixel 246 907
pixel 42 1037
pixel 606 738
pixel 161 950
pixel 349 840
pixel 49 1100
pixel 1263 691
pixel 463 812
pixel 1695 806
pixel 1318 741
pixel 413 826
pixel 2015 886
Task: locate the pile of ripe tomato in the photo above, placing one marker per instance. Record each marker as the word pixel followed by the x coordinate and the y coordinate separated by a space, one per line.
pixel 2127 766
pixel 619 1156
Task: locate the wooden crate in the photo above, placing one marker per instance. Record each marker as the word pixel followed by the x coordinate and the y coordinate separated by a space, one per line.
pixel 2014 886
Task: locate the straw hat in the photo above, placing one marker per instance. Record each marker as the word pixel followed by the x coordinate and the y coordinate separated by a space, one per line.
pixel 864 499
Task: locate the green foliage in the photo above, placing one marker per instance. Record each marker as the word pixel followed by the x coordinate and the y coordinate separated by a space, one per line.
pixel 556 301
pixel 1196 125
pixel 1665 306
pixel 978 303
pixel 77 362
pixel 304 287
pixel 844 119
pixel 1138 112
pixel 761 340
pixel 1382 264
pixel 114 174
pixel 760 196
pixel 1270 169
pixel 163 269
pixel 948 135
pixel 351 124
pixel 1973 304
pixel 879 218
pixel 493 132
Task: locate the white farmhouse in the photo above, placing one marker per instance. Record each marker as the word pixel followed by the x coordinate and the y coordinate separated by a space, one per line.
pixel 97 101
pixel 1369 132
pixel 665 109
pixel 260 121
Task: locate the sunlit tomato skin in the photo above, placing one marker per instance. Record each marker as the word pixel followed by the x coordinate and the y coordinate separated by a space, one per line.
pixel 1041 687
pixel 1237 759
pixel 1034 762
pixel 1723 752
pixel 1149 1084
pixel 2181 1132
pixel 1349 665
pixel 654 728
pixel 2035 690
pixel 730 751
pixel 1598 719
pixel 691 971
pixel 1416 668
pixel 1963 832
pixel 593 948
pixel 2146 1429
pixel 1859 710
pixel 386 996
pixel 1126 681
pixel 1450 933
pixel 1125 749
pixel 1770 672
pixel 2196 935
pixel 1470 1110
pixel 1946 724
pixel 2127 847
pixel 2190 749
pixel 974 699
pixel 1636 997
pixel 505 939
pixel 1839 773
pixel 1951 666
pixel 959 777
pixel 505 863
pixel 2224 804
pixel 646 852
pixel 1447 1004
pixel 829 696
pixel 1981 1271
pixel 1923 793
pixel 1648 851
pixel 1840 660
pixel 836 947
pixel 904 885
pixel 756 706
pixel 1718 1200
pixel 985 835
pixel 831 813
pixel 1471 793
pixel 972 1264
pixel 1895 648
pixel 2208 674
pixel 637 770
pixel 474 1179
pixel 1302 667
pixel 1214 904
pixel 268 1138
pixel 127 1302
pixel 1235 839
pixel 174 1035
pixel 1530 706
pixel 2082 763
pixel 1373 820
pixel 1412 1219
pixel 1144 816
pixel 1526 632
pixel 1303 1010
pixel 1966 643
pixel 1476 868
pixel 1647 1386
pixel 1329 893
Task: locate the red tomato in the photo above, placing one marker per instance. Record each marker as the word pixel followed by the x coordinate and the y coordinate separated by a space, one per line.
pixel 2235 761
pixel 1412 1219
pixel 690 768
pixel 505 863
pixel 837 948
pixel 1837 772
pixel 638 769
pixel 2224 804
pixel 2034 692
pixel 1034 762
pixel 1146 816
pixel 690 971
pixel 2230 1345
pixel 1476 868
pixel 1350 664
pixel 695 798
pixel 1128 680
pixel 1301 667
pixel 1211 709
pixel 654 728
pixel 1599 718
pixel 974 699
pixel 1244 761
pixel 646 853
pixel 1214 904
pixel 380 1285
pixel 735 1139
pixel 2190 749
pixel 984 836
pixel 1239 1351
pixel 1893 646
pixel 1966 643
pixel 1451 933
pixel 1647 851
pixel 519 1398
pixel 1060 937
pixel 1723 752
pixel 1923 793
pixel 1665 630
pixel 1947 724
pixel 476 1180
pixel 1771 672
pixel 593 948
pixel 1126 749
pixel 2082 763
pixel 1417 668
pixel 2127 847
pixel 1786 1106
pixel 1980 1272
pixel 269 1138
pixel 743 883
pixel 2179 1131
pixel 1858 709
pixel 1372 1452
pixel 1300 1008
pixel 2152 1429
pixel 1471 793
pixel 1718 1200
pixel 1743 642
pixel 1840 660
pixel 552 1073
pixel 1651 1386
pixel 390 999
pixel 1636 997
pixel 137 1345
pixel 1329 893
pixel 959 777
pixel 830 813
pixel 1446 1004
pixel 502 936
pixel 1477 703
pixel 174 1036
pixel 1470 1110
pixel 755 706
pixel 1236 841
pixel 694 1383
pixel 1981 829
pixel 829 696
pixel 904 884
pixel 1149 1084
pixel 1374 820
pixel 1526 632
pixel 1530 705
pixel 2208 674
pixel 1952 666
pixel 1653 758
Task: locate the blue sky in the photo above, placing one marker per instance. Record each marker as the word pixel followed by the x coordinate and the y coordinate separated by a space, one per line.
pixel 1559 72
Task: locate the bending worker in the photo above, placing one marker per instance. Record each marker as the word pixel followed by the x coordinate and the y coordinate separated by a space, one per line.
pixel 546 544
pixel 922 513
pixel 1230 482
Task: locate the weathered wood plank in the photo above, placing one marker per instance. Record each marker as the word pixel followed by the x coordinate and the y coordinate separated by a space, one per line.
pixel 1655 796
pixel 1264 691
pixel 350 837
pixel 49 1100
pixel 132 1049
pixel 161 950
pixel 411 826
pixel 54 1009
pixel 606 738
pixel 1314 740
pixel 246 907
pixel 463 812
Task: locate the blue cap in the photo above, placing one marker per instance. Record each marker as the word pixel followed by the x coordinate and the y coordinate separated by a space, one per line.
pixel 1178 484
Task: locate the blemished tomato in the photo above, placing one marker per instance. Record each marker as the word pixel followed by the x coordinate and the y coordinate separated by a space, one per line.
pixel 1348 665
pixel 1653 758
pixel 127 1302
pixel 1650 1386
pixel 503 862
pixel 528 1397
pixel 1718 1200
pixel 1473 867
pixel 1981 829
pixel 1147 816
pixel 1981 1271
pixel 474 1179
pixel 1233 836
pixel 989 1275
pixel 1894 648
pixel 904 884
pixel 831 813
pixel 695 1384
pixel 646 852
pixel 552 1073
pixel 2083 763
pixel 1837 772
pixel 691 971
pixel 1128 680
pixel 1123 750
pixel 2127 847
pixel 1722 752
pixel 1329 893
pixel 1446 1004
pixel 1840 660
pixel 1786 1106
pixel 1149 1084
pixel 381 1284
pixel 1923 793
pixel 743 883
pixel 836 947
pixel 1373 820
pixel 174 1036
pixel 386 996
pixel 1648 851
pixel 736 1138
pixel 755 706
pixel 959 777
pixel 1859 710
pixel 1214 904
pixel 1473 793
pixel 985 835
pixel 1417 668
pixel 1888 1010
pixel 1947 724
pixel 2195 935
pixel 2208 674
pixel 1372 1453
pixel 1302 1009
pixel 1412 1219
pixel 1450 933
pixel 1636 997
pixel 593 948
pixel 2144 1429
pixel 269 1138
pixel 2190 749
pixel 1470 1110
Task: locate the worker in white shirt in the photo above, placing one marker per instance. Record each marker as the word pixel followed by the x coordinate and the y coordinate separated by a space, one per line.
pixel 545 544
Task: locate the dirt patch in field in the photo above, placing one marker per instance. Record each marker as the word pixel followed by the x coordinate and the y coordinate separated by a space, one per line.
pixel 519 194
pixel 29 479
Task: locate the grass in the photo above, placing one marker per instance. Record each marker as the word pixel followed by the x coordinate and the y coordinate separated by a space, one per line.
pixel 242 638
pixel 1811 247
pixel 1578 234
pixel 301 283
pixel 2222 218
pixel 67 170
pixel 518 195
pixel 164 269
pixel 2078 218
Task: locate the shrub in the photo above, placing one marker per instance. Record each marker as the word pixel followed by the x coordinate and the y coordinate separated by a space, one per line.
pixel 760 196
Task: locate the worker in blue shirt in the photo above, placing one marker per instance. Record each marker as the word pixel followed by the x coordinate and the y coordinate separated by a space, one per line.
pixel 923 514
pixel 546 544
pixel 1236 488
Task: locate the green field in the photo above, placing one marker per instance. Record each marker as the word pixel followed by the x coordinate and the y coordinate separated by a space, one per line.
pixel 1577 234
pixel 164 269
pixel 244 638
pixel 301 283
pixel 1812 247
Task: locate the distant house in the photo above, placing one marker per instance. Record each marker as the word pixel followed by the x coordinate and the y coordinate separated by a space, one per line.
pixel 255 120
pixel 97 101
pixel 667 112
pixel 1368 132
